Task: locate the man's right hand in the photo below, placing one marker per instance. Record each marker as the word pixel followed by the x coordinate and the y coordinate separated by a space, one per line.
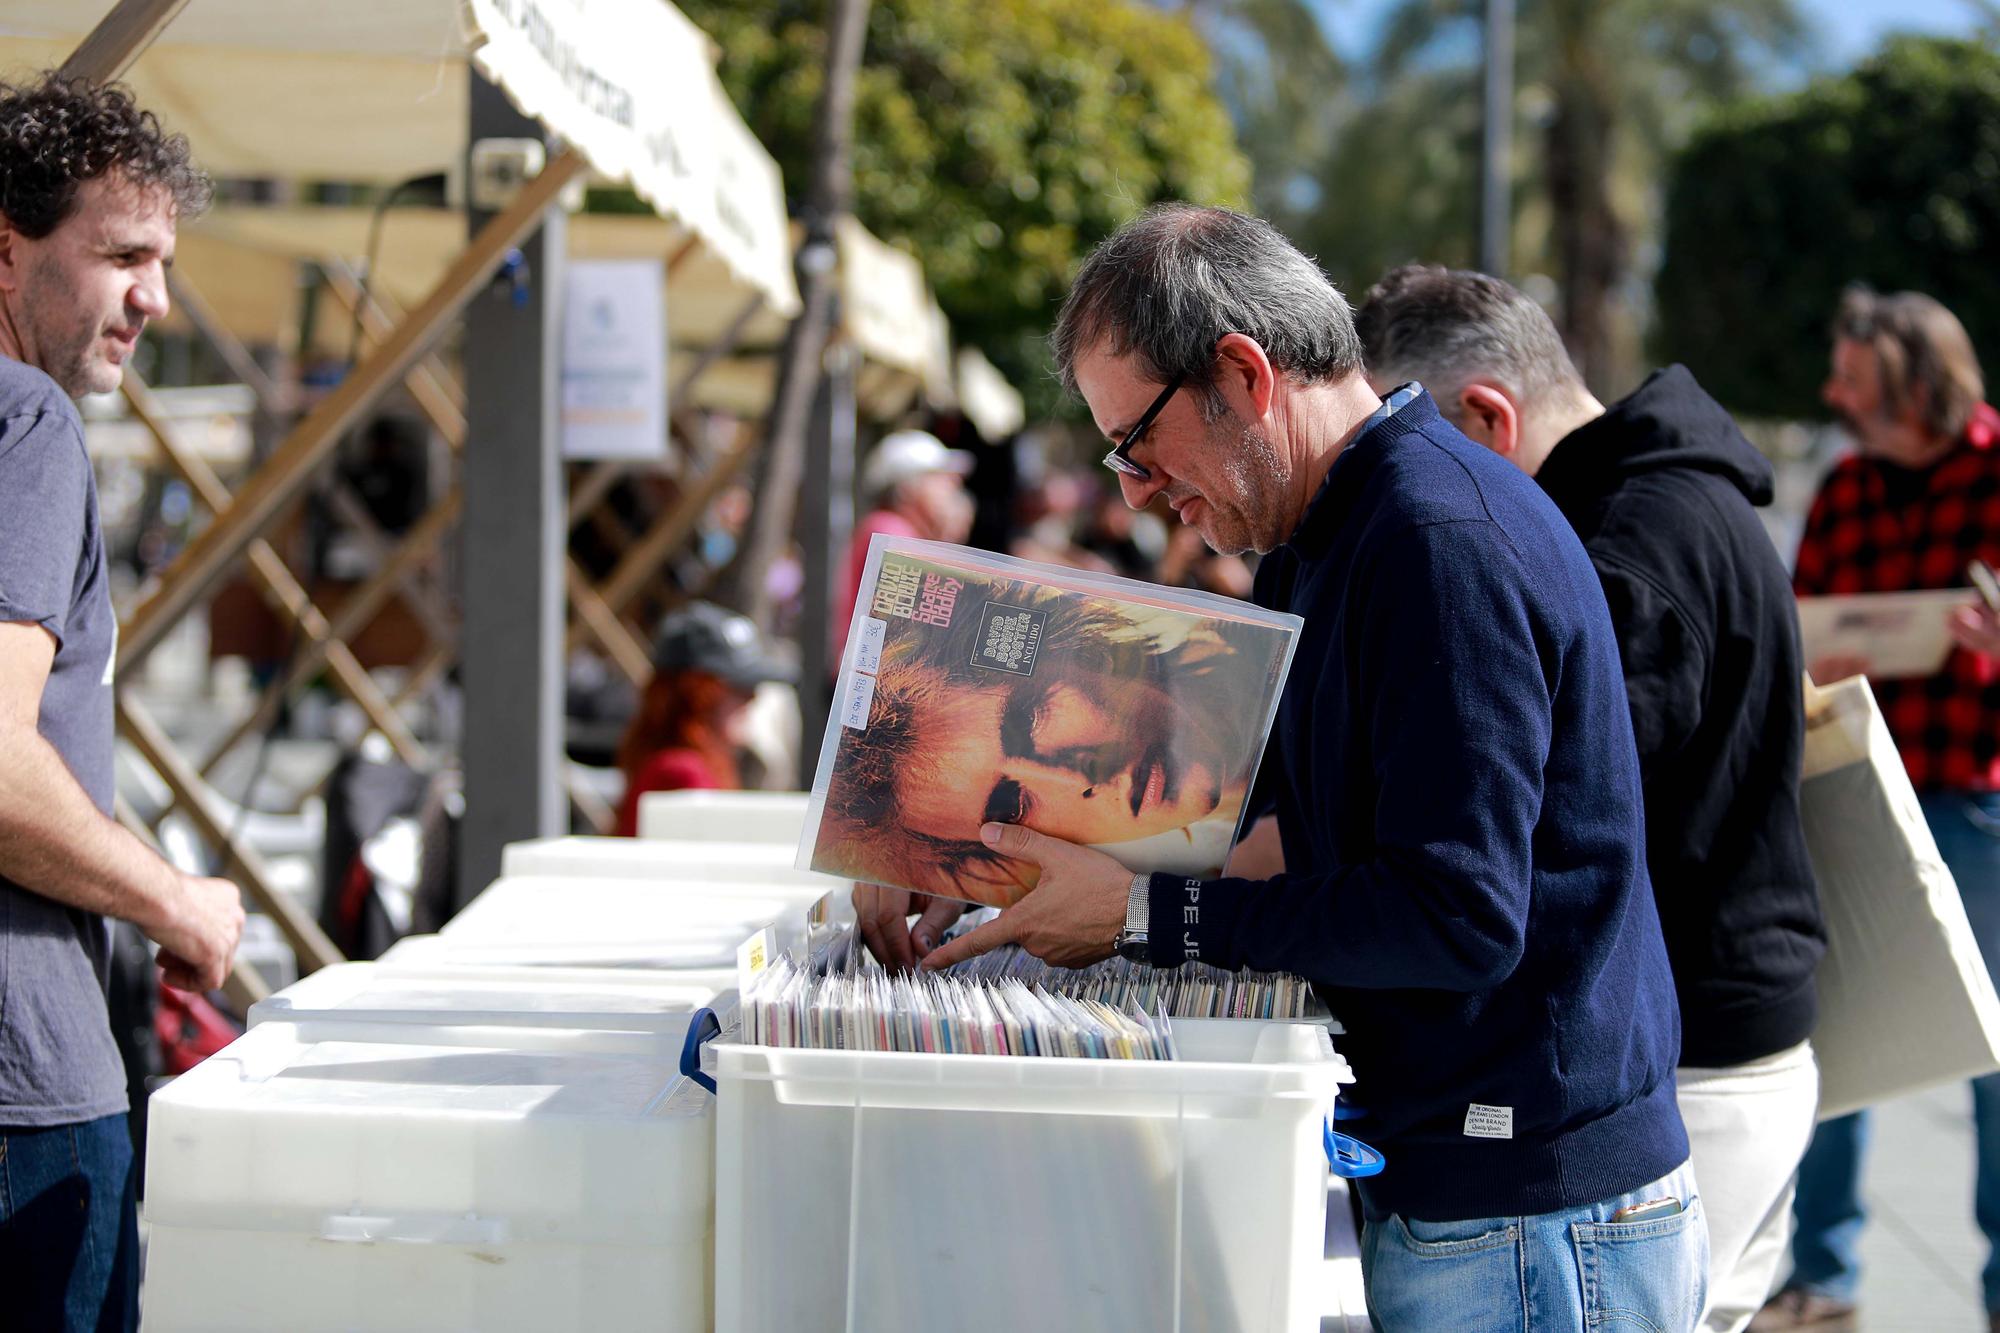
pixel 199 933
pixel 883 915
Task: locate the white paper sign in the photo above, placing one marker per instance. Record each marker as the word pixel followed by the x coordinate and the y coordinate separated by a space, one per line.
pixel 614 371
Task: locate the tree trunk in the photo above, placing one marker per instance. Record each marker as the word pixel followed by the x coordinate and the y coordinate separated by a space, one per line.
pixel 1591 244
pixel 745 583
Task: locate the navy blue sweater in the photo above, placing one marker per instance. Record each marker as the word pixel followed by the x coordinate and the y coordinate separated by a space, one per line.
pixel 1458 795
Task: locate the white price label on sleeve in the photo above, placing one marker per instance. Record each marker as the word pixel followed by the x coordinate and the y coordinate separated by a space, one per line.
pixel 868 644
pixel 854 708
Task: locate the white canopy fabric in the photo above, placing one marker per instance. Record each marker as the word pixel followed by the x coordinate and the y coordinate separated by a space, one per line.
pixel 242 259
pixel 993 405
pixel 376 91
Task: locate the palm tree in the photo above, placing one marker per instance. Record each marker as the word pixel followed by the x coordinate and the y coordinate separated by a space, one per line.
pixel 1606 86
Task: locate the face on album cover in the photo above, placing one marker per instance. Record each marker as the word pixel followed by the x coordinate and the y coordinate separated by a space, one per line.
pixel 983 690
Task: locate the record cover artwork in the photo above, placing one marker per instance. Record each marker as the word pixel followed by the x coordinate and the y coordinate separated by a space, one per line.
pixel 1103 711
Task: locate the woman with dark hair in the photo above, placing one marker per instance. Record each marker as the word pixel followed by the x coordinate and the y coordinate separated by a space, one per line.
pixel 687 732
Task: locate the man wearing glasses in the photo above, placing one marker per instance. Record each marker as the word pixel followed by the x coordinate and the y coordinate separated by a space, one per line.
pixel 1450 843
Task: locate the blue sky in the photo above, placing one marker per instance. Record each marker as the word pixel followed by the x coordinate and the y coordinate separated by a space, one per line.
pixel 1848 29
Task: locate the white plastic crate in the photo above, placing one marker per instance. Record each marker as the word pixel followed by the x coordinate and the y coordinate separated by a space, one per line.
pixel 774 817
pixel 885 1191
pixel 431 956
pixel 655 859
pixel 590 922
pixel 309 1185
pixel 644 1012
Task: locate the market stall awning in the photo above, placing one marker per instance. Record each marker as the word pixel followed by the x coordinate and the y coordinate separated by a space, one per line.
pixel 889 316
pixel 375 91
pixel 243 261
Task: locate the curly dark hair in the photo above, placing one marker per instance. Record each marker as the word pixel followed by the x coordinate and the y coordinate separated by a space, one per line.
pixel 56 133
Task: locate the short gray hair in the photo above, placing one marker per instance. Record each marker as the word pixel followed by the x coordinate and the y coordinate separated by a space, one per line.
pixel 1447 327
pixel 1168 285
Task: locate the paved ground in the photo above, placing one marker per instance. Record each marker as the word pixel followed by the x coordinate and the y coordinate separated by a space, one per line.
pixel 1921 1251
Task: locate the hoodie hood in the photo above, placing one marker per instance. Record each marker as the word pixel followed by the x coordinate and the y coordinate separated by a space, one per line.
pixel 1667 422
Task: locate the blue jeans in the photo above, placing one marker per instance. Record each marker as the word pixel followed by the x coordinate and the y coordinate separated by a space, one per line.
pixel 69 1229
pixel 1562 1272
pixel 1826 1246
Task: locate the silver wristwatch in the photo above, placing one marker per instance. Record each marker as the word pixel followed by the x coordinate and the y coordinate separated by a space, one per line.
pixel 1133 941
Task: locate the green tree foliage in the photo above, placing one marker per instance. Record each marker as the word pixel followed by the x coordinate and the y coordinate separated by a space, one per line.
pixel 1889 175
pixel 998 140
pixel 1285 86
pixel 1604 88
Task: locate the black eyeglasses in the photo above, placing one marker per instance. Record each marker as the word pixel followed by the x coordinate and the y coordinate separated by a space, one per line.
pixel 1119 460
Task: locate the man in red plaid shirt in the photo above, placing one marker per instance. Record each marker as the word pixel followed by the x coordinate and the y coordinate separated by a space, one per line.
pixel 1910 510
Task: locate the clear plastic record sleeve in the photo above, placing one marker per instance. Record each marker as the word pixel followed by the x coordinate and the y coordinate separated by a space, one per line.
pixel 1100 710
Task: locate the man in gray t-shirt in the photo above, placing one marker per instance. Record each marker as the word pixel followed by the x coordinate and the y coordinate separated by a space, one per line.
pixel 93 191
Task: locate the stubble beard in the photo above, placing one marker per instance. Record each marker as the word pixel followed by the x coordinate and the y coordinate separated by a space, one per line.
pixel 62 347
pixel 1254 474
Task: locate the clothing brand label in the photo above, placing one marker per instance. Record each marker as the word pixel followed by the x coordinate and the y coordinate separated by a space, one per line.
pixel 1489 1122
pixel 860 697
pixel 1010 638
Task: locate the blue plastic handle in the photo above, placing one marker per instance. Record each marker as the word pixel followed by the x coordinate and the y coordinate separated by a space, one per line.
pixel 1350 1158
pixel 702 1026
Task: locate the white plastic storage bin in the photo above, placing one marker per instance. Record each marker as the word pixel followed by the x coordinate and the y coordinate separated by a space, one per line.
pixel 644 1012
pixel 309 1185
pixel 431 956
pixel 574 921
pixel 774 817
pixel 764 864
pixel 889 1191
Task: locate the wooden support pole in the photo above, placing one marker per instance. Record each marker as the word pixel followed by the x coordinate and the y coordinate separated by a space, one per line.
pixel 120 38
pixel 422 599
pixel 437 392
pixel 308 941
pixel 353 616
pixel 283 589
pixel 643 561
pixel 347 505
pixel 588 493
pixel 627 653
pixel 244 985
pixel 206 559
pixel 433 665
pixel 226 344
pixel 601 817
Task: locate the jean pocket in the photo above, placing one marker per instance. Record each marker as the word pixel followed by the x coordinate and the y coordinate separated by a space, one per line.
pixel 1443 1240
pixel 1462 1277
pixel 1650 1275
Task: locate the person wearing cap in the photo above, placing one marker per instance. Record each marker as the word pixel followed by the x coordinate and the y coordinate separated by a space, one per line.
pixel 915 487
pixel 707 665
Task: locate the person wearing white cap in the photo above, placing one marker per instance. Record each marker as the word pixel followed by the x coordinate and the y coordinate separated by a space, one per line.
pixel 915 487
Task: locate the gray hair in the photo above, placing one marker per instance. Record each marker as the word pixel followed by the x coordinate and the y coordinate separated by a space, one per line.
pixel 1168 285
pixel 1448 327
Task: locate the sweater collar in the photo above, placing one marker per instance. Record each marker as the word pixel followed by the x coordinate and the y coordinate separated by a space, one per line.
pixel 1406 409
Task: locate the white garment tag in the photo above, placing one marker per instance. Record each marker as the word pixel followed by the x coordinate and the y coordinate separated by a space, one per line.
pixel 868 644
pixel 1489 1122
pixel 860 696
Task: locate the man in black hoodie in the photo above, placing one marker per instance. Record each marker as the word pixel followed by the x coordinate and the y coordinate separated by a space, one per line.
pixel 1660 487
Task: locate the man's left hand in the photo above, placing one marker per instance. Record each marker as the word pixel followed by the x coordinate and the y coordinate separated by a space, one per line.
pixel 1070 918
